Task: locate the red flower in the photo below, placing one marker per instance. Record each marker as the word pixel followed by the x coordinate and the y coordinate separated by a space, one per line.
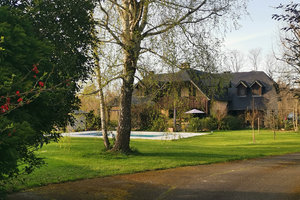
pixel 41 84
pixel 3 109
pixel 35 69
pixel 19 100
pixel 18 93
pixel 34 76
pixel 7 100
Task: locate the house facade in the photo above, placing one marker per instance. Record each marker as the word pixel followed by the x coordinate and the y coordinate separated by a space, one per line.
pixel 219 93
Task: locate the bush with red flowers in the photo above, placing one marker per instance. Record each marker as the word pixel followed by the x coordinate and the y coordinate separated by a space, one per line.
pixel 35 96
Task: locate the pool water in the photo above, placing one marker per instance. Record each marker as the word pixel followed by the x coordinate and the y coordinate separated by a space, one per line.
pixel 138 135
pixel 132 135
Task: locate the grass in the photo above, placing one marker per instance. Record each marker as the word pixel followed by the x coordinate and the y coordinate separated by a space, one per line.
pixel 80 158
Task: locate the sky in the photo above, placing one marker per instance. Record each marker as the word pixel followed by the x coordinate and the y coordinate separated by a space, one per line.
pixel 258 29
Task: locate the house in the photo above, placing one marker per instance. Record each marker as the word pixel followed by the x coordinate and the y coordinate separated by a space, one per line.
pixel 218 93
pixel 252 89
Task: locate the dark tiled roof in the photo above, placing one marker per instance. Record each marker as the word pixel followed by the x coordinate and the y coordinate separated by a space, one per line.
pixel 212 85
pixel 268 98
pixel 244 83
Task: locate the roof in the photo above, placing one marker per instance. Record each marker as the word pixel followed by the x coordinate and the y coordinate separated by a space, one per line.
pixel 261 102
pixel 245 84
pixel 258 83
pixel 250 77
pixel 211 85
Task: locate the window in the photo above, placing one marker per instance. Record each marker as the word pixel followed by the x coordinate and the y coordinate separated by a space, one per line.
pixel 192 91
pixel 241 90
pixel 256 89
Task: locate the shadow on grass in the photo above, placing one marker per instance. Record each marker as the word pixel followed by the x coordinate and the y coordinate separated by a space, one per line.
pixel 48 175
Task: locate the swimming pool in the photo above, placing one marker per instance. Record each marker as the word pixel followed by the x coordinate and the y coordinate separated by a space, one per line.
pixel 138 135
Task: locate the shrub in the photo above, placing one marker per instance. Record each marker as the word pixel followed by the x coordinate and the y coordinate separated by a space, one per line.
pixel 93 122
pixel 159 124
pixel 204 124
pixel 209 123
pixel 112 125
pixel 232 123
pixel 195 124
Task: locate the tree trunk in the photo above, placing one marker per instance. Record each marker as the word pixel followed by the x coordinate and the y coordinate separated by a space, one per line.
pixel 103 118
pixel 124 126
pixel 102 107
pixel 102 102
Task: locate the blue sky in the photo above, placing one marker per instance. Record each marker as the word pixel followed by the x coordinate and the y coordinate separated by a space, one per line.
pixel 258 30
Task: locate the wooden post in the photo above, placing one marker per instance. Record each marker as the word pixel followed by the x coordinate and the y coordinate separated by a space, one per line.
pixel 258 125
pixel 294 126
pixel 174 118
pixel 274 133
pixel 296 116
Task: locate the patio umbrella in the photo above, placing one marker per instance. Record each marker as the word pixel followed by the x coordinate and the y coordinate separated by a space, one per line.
pixel 195 111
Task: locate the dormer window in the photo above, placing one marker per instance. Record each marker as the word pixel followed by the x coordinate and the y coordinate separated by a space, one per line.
pixel 242 89
pixel 256 88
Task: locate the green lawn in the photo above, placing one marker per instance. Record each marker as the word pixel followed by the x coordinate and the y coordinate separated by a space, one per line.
pixel 79 158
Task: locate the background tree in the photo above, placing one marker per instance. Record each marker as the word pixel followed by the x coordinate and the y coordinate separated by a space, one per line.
pixel 291 37
pixel 55 35
pixel 140 28
pixel 234 60
pixel 254 57
pixel 89 102
pixel 271 66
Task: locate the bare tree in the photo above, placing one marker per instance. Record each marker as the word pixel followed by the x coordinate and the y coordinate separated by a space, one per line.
pixel 290 38
pixel 235 60
pixel 139 28
pixel 271 65
pixel 219 111
pixel 255 58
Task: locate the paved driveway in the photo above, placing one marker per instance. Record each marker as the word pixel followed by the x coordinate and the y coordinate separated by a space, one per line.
pixel 271 178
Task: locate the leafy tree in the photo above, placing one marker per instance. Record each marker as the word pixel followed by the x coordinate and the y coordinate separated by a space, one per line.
pixel 138 29
pixel 17 127
pixel 55 37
